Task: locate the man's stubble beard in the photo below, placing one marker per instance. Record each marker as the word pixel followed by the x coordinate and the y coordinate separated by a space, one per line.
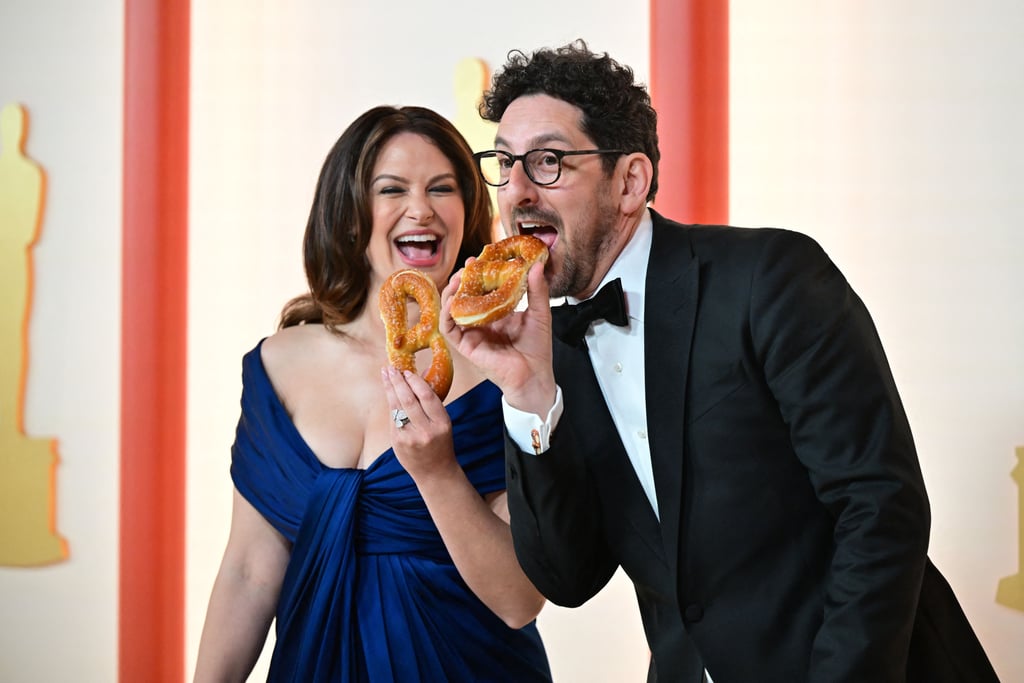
pixel 582 252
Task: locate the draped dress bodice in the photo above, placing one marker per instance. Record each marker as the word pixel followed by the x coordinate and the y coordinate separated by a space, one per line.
pixel 370 592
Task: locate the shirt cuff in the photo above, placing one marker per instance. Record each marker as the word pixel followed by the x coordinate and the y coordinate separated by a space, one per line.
pixel 527 430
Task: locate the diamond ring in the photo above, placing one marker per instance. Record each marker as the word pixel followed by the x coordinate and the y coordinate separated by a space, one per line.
pixel 399 418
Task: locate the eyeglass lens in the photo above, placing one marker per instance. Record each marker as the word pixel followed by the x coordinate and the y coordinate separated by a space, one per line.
pixel 541 166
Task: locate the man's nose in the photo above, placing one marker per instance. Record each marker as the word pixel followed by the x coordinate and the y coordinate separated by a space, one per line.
pixel 519 190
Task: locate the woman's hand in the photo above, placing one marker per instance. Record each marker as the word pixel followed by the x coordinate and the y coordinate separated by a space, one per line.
pixel 476 534
pixel 423 445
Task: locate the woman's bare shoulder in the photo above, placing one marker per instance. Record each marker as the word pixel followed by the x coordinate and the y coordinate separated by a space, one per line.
pixel 292 343
pixel 293 353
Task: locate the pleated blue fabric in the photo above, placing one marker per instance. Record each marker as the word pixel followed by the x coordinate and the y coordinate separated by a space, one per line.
pixel 371 593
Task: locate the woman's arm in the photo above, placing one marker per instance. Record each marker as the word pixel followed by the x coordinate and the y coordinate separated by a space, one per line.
pixel 477 535
pixel 474 530
pixel 244 597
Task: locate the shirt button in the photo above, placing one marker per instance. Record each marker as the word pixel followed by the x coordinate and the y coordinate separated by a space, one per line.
pixel 617 367
pixel 642 434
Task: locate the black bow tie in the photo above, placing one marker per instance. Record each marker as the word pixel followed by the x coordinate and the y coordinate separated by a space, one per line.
pixel 570 321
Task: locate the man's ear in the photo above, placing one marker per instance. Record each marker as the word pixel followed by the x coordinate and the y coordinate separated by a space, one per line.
pixel 636 171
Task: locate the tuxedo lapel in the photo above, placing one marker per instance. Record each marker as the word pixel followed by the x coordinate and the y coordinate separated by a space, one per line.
pixel 596 436
pixel 669 316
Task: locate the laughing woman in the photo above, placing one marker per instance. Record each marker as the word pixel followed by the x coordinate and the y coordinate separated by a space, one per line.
pixel 382 548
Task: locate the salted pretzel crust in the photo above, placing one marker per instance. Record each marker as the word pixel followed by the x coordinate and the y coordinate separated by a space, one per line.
pixel 402 341
pixel 494 283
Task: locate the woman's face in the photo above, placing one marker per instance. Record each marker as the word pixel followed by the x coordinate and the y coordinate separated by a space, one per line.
pixel 417 209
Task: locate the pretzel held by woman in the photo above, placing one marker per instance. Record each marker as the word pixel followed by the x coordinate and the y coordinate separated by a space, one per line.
pixel 402 341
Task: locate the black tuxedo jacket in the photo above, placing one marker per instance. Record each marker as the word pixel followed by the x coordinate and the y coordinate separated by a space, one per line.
pixel 793 517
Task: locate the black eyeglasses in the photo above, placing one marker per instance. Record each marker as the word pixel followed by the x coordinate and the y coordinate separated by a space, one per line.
pixel 542 166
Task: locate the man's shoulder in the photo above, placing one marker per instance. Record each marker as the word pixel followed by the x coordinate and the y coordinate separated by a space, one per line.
pixel 733 239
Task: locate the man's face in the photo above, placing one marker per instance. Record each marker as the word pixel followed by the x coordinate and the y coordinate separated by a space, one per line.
pixel 576 215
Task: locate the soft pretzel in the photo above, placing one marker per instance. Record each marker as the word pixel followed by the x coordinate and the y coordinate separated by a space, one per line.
pixel 403 342
pixel 494 283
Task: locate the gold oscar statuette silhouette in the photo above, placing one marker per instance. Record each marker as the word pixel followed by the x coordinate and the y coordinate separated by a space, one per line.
pixel 27 465
pixel 472 77
pixel 1011 589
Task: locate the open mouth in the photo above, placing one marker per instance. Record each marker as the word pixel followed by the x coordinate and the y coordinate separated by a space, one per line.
pixel 420 249
pixel 544 232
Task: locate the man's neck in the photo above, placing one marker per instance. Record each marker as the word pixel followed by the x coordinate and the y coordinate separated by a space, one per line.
pixel 623 232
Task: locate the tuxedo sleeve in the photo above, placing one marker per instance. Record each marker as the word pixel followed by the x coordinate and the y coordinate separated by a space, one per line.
pixel 825 364
pixel 556 521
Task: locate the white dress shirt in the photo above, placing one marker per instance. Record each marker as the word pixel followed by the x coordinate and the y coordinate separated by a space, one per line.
pixel 617 354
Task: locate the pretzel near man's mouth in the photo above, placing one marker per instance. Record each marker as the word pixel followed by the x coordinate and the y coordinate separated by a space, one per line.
pixel 494 283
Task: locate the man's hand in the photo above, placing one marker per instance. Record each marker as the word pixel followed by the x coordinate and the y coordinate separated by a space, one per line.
pixel 514 352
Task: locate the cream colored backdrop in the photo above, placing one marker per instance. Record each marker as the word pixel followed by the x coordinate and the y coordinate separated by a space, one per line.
pixel 889 131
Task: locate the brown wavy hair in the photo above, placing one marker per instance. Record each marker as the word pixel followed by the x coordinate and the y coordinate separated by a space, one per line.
pixel 340 221
pixel 617 111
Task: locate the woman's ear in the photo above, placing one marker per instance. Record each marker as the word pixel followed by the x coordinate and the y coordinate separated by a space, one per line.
pixel 635 171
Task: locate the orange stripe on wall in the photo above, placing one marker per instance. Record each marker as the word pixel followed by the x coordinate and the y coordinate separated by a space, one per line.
pixel 690 90
pixel 153 342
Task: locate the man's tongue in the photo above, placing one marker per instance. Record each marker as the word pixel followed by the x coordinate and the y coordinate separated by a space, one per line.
pixel 545 233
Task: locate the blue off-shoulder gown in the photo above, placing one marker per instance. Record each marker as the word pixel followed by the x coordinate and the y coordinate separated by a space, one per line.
pixel 370 593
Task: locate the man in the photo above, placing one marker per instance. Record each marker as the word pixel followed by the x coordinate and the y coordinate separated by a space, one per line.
pixel 733 438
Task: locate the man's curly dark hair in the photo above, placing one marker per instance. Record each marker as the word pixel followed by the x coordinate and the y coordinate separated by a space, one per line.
pixel 617 112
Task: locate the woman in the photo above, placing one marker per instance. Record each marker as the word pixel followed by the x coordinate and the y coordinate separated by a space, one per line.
pixel 383 551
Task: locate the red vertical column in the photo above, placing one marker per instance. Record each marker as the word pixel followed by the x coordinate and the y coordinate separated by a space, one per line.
pixel 690 90
pixel 153 341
